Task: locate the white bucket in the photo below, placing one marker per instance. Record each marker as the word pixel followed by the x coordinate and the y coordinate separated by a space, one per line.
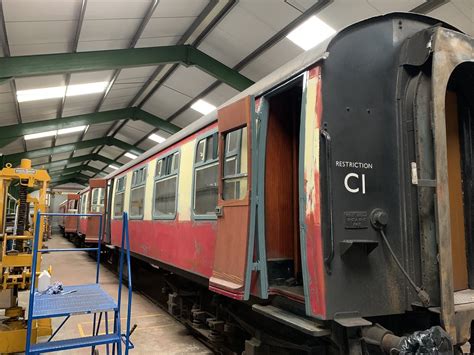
pixel 44 280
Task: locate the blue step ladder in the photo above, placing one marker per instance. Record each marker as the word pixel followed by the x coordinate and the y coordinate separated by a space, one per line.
pixel 81 299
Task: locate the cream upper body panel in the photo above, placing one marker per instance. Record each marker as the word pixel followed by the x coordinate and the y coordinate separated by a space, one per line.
pixel 149 187
pixel 185 181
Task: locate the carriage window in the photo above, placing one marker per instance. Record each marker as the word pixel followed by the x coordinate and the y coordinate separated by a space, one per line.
pixel 95 196
pixel 119 197
pixel 137 193
pixel 72 204
pixel 205 177
pixel 175 162
pixel 97 204
pixel 159 165
pixel 233 141
pixel 86 202
pixel 83 203
pixel 166 184
pixel 200 151
pixel 102 196
pixel 235 165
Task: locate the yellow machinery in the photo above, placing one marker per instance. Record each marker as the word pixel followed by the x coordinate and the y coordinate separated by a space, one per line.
pixel 16 238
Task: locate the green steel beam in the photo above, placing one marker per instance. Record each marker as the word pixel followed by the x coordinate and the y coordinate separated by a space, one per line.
pixel 53 184
pixel 75 169
pixel 16 131
pixel 58 174
pixel 71 171
pixel 125 146
pixel 79 159
pixel 6 141
pixel 157 122
pixel 65 148
pixel 71 175
pixel 218 70
pixel 106 160
pixel 67 180
pixel 64 162
pixel 9 133
pixel 61 179
pixel 48 64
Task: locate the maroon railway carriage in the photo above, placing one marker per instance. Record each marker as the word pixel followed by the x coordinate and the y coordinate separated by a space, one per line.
pixel 311 212
pixel 68 224
pixel 91 201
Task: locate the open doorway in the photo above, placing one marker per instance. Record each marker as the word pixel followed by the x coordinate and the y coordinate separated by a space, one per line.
pixel 281 190
pixel 457 216
pixel 460 155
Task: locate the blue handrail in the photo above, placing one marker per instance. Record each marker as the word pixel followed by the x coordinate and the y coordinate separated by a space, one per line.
pixel 54 214
pixel 66 249
pixel 125 247
pixel 125 238
pixel 99 243
pixel 34 263
pixel 32 282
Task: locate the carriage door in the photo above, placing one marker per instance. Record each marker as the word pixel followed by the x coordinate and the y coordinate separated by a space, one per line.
pixel 233 204
pixel 96 206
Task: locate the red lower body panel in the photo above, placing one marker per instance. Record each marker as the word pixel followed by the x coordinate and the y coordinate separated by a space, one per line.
pixel 70 224
pixel 92 231
pixel 83 225
pixel 186 245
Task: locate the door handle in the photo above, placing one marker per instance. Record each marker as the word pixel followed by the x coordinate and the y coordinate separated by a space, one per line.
pixel 219 211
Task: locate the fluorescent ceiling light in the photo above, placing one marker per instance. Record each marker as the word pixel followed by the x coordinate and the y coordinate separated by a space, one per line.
pixel 130 155
pixel 53 133
pixel 203 107
pixel 85 89
pixel 310 33
pixel 40 135
pixel 113 167
pixel 71 130
pixel 59 91
pixel 157 138
pixel 40 94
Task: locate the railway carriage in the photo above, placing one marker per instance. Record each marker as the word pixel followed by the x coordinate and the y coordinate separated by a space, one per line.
pixel 83 201
pixel 314 211
pixel 92 200
pixel 68 224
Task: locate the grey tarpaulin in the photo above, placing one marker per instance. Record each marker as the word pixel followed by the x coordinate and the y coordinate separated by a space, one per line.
pixel 432 341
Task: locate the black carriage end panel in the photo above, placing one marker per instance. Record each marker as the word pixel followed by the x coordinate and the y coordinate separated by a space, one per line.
pixel 368 170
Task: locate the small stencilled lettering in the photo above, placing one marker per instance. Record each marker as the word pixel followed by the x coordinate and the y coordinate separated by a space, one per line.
pixel 354 164
pixel 356 220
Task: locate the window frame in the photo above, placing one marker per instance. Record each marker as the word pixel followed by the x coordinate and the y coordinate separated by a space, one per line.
pixel 122 191
pixel 237 154
pixel 92 199
pixel 156 179
pixel 200 164
pixel 86 200
pixel 83 202
pixel 135 185
pixel 100 197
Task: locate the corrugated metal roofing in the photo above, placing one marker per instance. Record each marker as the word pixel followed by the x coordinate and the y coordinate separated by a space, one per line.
pixel 227 30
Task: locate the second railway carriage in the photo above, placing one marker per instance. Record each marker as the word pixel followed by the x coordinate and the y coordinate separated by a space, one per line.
pixel 83 201
pixel 317 204
pixel 68 224
pixel 92 200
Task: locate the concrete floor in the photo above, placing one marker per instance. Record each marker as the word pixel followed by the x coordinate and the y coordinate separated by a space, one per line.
pixel 156 333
